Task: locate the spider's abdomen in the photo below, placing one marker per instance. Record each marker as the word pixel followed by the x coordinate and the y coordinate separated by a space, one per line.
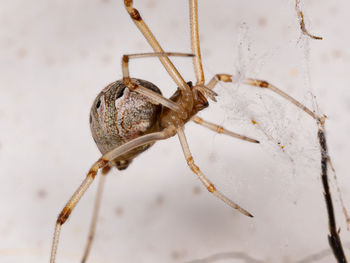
pixel 119 115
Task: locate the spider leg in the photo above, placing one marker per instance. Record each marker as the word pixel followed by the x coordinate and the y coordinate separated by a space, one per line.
pixel 104 172
pixel 197 59
pixel 219 77
pixel 220 129
pixel 267 85
pixel 147 33
pixel 302 22
pixel 264 84
pixel 63 216
pixel 205 181
pixel 102 162
pixel 155 97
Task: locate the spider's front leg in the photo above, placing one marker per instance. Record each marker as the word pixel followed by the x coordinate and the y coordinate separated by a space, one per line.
pixel 266 85
pixel 212 126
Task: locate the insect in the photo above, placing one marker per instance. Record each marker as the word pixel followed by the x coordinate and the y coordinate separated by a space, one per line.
pixel 130 115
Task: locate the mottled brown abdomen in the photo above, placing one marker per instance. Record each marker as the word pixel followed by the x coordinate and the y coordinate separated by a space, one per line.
pixel 119 115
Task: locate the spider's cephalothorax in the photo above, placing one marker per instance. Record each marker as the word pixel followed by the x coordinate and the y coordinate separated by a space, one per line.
pixel 119 115
pixel 194 103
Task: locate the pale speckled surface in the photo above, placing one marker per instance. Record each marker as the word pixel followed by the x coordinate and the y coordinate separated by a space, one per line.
pixel 57 55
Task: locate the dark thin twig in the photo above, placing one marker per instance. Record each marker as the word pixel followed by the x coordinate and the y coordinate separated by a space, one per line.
pixel 333 238
pixel 345 211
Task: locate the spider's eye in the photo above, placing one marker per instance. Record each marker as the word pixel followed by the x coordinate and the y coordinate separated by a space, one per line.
pixel 90 119
pixel 98 104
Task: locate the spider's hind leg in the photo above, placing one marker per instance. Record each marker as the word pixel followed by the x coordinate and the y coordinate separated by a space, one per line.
pixel 97 204
pixel 66 211
pixel 101 163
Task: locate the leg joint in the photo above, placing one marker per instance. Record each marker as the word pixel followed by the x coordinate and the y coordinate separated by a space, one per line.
pixel 263 84
pixel 224 77
pixel 62 218
pixel 258 83
pixel 197 120
pixel 211 188
pixel 94 169
pixel 127 81
pixel 135 14
pixel 193 167
pixel 125 59
pixel 219 129
pixel 190 161
pixel 127 3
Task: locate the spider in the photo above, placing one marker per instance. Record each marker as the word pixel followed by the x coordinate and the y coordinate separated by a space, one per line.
pixel 130 115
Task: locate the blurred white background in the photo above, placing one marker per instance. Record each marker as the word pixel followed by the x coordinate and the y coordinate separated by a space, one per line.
pixel 57 55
